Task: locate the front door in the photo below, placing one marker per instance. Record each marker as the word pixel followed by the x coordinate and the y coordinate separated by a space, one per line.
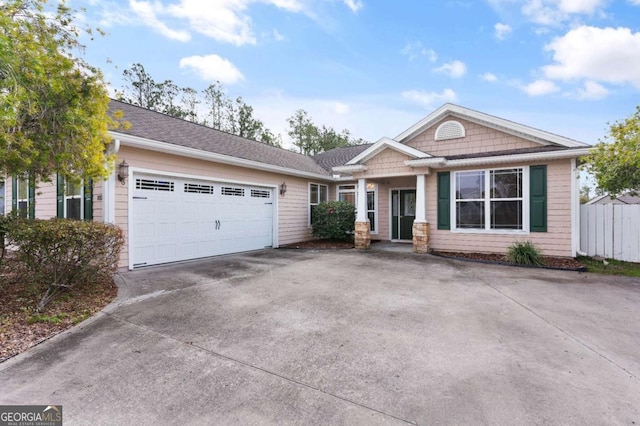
pixel 403 207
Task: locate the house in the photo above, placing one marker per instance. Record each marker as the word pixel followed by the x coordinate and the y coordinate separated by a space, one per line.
pixel 626 198
pixel 458 180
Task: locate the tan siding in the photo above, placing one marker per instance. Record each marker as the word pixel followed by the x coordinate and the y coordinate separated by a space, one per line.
pixel 388 163
pixel 46 197
pixel 98 205
pixel 478 139
pixel 555 242
pixel 293 206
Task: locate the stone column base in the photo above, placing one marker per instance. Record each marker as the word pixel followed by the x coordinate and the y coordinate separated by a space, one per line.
pixel 421 237
pixel 362 235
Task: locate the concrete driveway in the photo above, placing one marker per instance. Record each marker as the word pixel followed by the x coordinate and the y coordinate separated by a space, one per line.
pixel 345 337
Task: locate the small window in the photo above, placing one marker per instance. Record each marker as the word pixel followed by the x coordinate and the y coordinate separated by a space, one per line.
pixel 155 185
pixel 450 130
pixel 231 191
pixel 23 197
pixel 260 193
pixel 195 188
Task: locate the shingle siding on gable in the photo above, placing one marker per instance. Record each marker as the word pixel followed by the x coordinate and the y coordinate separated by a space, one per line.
pixel 388 163
pixel 478 139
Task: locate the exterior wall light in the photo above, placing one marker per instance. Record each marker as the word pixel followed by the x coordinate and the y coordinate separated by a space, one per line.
pixel 123 172
pixel 283 189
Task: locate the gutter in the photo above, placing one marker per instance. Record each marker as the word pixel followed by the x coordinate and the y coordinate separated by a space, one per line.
pixel 442 162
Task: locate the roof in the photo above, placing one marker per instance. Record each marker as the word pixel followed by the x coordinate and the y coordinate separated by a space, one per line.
pixel 491 121
pixel 626 198
pixel 160 127
pixel 339 156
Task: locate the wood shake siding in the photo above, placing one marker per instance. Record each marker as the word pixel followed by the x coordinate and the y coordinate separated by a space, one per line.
pixel 292 207
pixel 388 163
pixel 555 242
pixel 478 139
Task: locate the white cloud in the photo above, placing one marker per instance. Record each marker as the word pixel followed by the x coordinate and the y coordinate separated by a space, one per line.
pixel 635 2
pixel 490 77
pixel 277 36
pixel 213 68
pixel 227 21
pixel 540 87
pixel 340 108
pixel 554 12
pixel 429 98
pixel 592 91
pixel 455 69
pixel 501 30
pixel 415 49
pixel 598 54
pixel 354 5
pixel 148 14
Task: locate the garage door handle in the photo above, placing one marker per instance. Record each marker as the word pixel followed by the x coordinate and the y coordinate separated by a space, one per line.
pixel 139 198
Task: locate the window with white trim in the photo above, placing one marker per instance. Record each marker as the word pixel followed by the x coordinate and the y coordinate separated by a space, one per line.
pixel 350 193
pixel 2 201
pixel 23 197
pixel 490 199
pixel 73 196
pixel 318 193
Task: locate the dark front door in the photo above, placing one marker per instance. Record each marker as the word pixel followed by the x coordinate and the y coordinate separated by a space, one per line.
pixel 403 206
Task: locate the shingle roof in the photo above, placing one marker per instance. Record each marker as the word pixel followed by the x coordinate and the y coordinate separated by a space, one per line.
pixel 163 128
pixel 339 156
pixel 510 152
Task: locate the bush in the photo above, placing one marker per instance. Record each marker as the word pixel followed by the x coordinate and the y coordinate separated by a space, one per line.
pixel 60 254
pixel 334 219
pixel 524 253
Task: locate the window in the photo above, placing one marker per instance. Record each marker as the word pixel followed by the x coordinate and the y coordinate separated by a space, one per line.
pixel 74 199
pixel 490 199
pixel 73 195
pixel 22 197
pixel 232 191
pixel 1 197
pixel 350 193
pixel 317 194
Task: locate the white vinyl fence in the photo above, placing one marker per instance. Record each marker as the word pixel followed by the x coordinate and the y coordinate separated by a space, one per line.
pixel 611 231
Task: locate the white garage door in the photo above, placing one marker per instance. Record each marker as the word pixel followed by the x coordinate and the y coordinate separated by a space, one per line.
pixel 178 219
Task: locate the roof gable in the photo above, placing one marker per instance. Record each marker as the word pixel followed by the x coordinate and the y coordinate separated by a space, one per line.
pixel 381 145
pixel 487 120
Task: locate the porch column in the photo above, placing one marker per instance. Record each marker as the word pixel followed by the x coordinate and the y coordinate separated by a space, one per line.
pixel 362 238
pixel 420 224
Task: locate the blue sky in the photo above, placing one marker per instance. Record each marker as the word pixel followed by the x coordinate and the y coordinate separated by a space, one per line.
pixel 377 67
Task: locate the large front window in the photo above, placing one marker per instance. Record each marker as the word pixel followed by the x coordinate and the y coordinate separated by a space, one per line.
pixel 490 199
pixel 73 196
pixel 318 193
pixel 349 193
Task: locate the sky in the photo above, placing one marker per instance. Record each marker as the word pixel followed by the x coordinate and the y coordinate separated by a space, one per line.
pixel 376 67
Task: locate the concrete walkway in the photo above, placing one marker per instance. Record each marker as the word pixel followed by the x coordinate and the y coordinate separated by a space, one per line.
pixel 345 337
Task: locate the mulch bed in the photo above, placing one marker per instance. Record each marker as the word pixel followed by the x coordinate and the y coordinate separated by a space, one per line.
pixel 322 244
pixel 21 327
pixel 549 262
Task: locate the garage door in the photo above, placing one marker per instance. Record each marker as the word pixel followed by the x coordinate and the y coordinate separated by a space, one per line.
pixel 178 219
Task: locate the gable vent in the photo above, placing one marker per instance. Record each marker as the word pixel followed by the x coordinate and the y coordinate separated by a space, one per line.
pixel 450 130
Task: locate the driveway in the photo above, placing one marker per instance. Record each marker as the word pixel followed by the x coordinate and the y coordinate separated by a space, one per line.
pixel 345 337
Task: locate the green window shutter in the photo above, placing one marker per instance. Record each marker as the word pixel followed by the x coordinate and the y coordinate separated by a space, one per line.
pixel 444 200
pixel 14 194
pixel 538 198
pixel 32 197
pixel 60 196
pixel 88 200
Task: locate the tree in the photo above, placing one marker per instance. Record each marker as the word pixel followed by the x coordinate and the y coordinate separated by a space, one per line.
pixel 142 90
pixel 53 105
pixel 217 104
pixel 303 132
pixel 615 162
pixel 247 125
pixel 585 194
pixel 168 99
pixel 190 104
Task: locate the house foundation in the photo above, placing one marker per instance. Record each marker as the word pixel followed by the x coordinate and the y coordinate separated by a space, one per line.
pixel 362 235
pixel 421 237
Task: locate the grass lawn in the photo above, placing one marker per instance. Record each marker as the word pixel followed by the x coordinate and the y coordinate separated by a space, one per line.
pixel 611 267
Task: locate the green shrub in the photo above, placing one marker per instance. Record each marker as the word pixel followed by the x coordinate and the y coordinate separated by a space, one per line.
pixel 61 254
pixel 524 253
pixel 334 219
